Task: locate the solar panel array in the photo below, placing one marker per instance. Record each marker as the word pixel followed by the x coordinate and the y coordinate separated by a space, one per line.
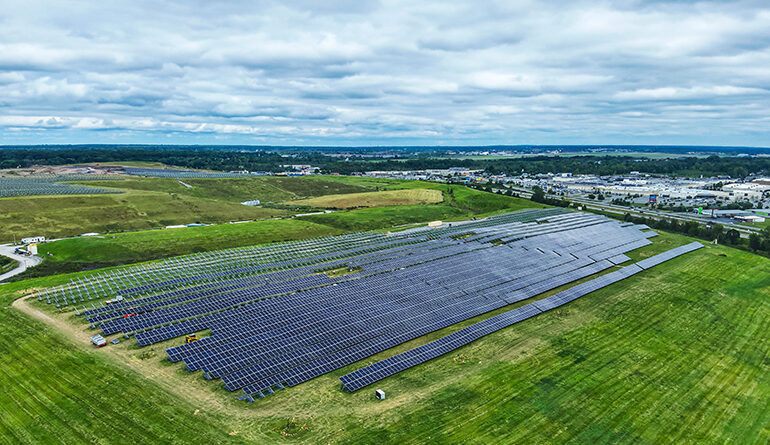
pixel 179 173
pixel 136 281
pixel 51 185
pixel 277 318
pixel 392 365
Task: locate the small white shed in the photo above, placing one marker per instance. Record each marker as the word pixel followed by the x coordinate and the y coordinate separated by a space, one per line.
pixel 380 394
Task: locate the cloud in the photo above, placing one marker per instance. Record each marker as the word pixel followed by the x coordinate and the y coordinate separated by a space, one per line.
pixel 391 71
pixel 673 93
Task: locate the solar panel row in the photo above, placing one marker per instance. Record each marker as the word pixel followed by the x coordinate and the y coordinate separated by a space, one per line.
pixel 255 372
pixel 170 315
pixel 377 371
pixel 276 319
pixel 135 282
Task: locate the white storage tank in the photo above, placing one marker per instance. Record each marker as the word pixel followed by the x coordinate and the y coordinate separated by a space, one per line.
pixel 33 239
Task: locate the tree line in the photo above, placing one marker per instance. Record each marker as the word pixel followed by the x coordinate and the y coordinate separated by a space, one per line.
pixel 259 160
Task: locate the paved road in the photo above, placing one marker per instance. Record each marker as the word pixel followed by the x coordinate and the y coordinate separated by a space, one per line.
pixel 24 261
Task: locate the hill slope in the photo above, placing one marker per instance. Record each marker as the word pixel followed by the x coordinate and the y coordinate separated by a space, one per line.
pixel 374 199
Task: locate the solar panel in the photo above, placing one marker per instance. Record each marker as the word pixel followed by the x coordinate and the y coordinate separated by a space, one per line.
pixel 277 316
pixel 392 365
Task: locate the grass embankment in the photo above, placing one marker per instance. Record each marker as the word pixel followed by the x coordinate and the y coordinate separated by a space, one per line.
pixel 76 254
pixel 374 199
pixel 7 264
pixel 382 217
pixel 457 203
pixel 675 354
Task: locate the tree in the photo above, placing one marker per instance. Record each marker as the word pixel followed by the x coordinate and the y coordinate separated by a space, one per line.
pixel 714 232
pixel 538 195
pixel 755 242
pixel 739 172
pixel 732 237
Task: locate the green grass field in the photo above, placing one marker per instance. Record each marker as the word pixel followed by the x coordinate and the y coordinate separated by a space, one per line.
pixel 675 354
pixel 60 216
pixel 757 225
pixel 266 189
pixel 150 203
pixel 381 217
pixel 374 199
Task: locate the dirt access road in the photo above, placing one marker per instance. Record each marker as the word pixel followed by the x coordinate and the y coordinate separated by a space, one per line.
pixel 193 388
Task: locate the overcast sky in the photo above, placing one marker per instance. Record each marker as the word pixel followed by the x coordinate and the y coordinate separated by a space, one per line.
pixel 392 72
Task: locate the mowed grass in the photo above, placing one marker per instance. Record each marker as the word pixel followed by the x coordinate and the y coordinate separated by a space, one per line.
pixel 675 354
pixel 162 243
pixel 57 392
pixel 374 199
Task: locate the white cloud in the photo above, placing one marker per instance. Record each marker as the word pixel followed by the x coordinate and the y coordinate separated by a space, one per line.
pixel 666 93
pixel 372 72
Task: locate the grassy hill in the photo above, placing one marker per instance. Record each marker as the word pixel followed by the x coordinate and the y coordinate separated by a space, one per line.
pixel 157 202
pixel 76 254
pixel 453 202
pixel 151 203
pixel 266 189
pixel 675 354
pixel 60 216
pixel 374 199
pixel 386 217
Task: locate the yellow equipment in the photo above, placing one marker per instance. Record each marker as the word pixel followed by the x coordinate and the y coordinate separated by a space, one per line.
pixel 192 338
